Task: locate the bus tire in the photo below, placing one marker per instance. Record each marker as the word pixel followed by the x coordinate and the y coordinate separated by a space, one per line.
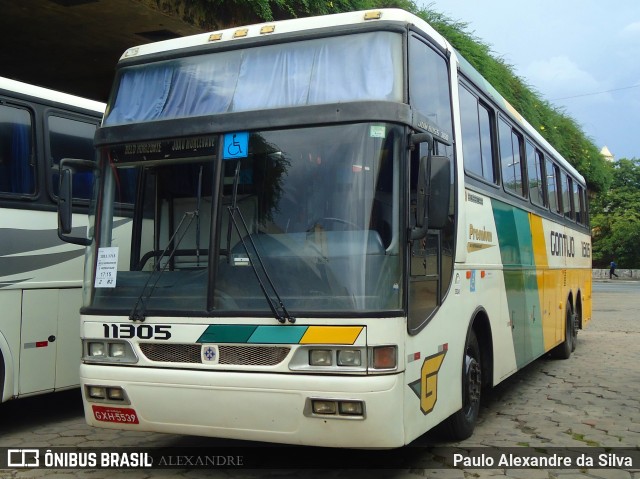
pixel 577 323
pixel 461 424
pixel 564 349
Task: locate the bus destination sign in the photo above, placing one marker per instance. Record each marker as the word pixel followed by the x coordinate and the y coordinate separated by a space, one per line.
pixel 165 149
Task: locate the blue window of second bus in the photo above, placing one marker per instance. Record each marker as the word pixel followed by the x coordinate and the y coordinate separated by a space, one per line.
pixel 71 138
pixel 17 159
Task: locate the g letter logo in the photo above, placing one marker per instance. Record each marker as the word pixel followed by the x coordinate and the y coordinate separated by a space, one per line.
pixel 429 381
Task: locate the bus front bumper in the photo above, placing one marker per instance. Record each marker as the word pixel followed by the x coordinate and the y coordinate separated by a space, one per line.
pixel 250 406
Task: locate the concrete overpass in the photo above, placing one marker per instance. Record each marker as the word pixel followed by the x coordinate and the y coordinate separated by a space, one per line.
pixel 73 45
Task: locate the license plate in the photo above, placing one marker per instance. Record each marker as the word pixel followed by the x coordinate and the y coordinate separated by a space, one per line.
pixel 121 415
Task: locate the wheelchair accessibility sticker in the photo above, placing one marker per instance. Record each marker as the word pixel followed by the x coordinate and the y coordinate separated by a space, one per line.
pixel 236 145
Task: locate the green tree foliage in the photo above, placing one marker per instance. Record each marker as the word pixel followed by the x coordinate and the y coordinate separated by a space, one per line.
pixel 555 126
pixel 615 218
pixel 558 129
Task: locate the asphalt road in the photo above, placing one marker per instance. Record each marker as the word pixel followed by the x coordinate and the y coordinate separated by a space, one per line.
pixel 581 406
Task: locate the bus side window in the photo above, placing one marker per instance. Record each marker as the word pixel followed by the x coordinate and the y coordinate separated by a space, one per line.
pixel 577 203
pixel 429 84
pixel 70 138
pixel 552 186
pixel 477 148
pixel 510 153
pixel 17 162
pixel 566 195
pixel 535 173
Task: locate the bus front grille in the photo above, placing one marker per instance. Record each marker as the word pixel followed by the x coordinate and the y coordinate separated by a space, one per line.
pixel 237 355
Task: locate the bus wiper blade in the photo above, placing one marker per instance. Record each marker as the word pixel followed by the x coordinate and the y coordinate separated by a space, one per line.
pixel 233 209
pixel 139 311
pixel 281 317
pixel 136 315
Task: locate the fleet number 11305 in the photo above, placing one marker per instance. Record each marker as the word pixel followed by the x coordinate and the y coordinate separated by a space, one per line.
pixel 140 331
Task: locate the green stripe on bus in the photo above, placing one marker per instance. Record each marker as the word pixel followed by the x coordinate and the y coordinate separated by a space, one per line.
pixel 278 334
pixel 520 279
pixel 252 334
pixel 227 333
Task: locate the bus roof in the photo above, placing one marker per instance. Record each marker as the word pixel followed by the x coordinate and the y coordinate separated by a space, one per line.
pixel 34 91
pixel 285 26
pixel 344 19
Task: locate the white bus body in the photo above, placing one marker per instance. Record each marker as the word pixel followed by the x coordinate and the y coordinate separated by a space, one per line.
pixel 284 283
pixel 40 275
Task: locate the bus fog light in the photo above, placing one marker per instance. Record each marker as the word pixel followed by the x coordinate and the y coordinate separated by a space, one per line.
pixel 320 357
pixel 96 349
pixel 349 357
pixel 324 407
pixel 96 392
pixel 115 394
pixel 351 408
pixel 384 357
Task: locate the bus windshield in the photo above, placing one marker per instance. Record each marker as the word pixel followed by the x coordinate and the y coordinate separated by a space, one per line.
pixel 365 66
pixel 314 209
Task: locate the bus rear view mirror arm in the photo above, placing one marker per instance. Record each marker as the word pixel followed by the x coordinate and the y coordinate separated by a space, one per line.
pixel 65 199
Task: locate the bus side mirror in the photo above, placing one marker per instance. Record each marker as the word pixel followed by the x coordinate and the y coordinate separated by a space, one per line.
pixel 439 191
pixel 432 199
pixel 65 199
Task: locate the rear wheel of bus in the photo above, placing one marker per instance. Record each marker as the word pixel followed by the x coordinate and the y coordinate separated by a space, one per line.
pixel 564 349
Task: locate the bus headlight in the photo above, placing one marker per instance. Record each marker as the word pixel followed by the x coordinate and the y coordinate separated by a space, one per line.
pixel 337 359
pixel 320 357
pixel 349 357
pixel 107 351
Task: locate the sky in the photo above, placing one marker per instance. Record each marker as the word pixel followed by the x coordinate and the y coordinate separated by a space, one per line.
pixel 583 56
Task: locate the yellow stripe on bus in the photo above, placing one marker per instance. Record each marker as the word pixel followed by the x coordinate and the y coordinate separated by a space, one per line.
pixel 539 246
pixel 547 283
pixel 331 335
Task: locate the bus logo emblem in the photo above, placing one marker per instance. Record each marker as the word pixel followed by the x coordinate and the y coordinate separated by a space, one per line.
pixel 426 388
pixel 209 354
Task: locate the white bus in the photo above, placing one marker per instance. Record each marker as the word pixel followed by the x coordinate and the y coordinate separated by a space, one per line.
pixel 40 275
pixel 341 235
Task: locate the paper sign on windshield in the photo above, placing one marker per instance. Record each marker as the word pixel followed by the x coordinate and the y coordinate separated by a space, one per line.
pixel 107 267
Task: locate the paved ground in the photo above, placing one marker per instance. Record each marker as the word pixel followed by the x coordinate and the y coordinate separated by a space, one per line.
pixel 589 401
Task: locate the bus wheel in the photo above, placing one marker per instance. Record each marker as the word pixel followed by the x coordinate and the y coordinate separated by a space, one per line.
pixel 577 321
pixel 563 350
pixel 460 425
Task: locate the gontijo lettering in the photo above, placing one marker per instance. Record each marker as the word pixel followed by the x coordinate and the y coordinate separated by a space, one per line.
pixel 562 245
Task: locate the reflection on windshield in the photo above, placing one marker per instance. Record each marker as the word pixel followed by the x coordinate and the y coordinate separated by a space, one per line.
pixel 321 206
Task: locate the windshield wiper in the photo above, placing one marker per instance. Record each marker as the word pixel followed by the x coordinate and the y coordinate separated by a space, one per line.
pixel 281 315
pixel 141 314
